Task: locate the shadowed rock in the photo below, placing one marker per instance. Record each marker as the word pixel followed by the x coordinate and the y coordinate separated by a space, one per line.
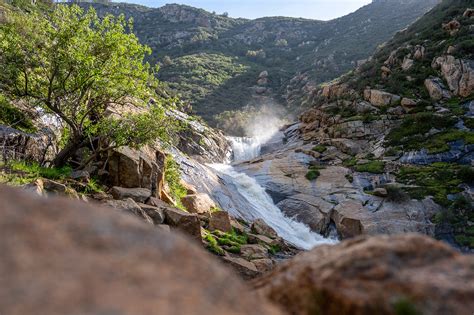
pixel 63 257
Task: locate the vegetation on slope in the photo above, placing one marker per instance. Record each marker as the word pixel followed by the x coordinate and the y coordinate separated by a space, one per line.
pixel 282 46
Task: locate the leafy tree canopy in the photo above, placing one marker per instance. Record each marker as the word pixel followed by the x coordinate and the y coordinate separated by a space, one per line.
pixel 80 68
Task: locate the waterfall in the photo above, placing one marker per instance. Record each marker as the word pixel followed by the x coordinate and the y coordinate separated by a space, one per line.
pixel 244 197
pixel 245 148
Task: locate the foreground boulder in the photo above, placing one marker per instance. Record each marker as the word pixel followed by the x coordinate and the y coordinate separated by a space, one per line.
pixel 379 275
pixel 63 257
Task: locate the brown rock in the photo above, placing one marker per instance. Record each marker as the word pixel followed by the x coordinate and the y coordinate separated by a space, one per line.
pixel 200 203
pixel 457 73
pixel 220 221
pixel 166 197
pixel 436 89
pixel 251 252
pixel 57 189
pixel 156 214
pixel 31 147
pixel 452 27
pixel 264 265
pixel 407 64
pixel 183 221
pixel 380 192
pixel 131 207
pixel 132 168
pixel 260 227
pixel 36 187
pixel 408 104
pixel 381 98
pixel 139 195
pixel 190 189
pixel 374 276
pixel 244 268
pixel 72 258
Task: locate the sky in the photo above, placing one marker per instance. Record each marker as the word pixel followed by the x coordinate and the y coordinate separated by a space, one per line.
pixel 251 9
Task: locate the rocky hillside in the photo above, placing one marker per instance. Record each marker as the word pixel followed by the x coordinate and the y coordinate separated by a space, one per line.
pixel 387 148
pixel 214 61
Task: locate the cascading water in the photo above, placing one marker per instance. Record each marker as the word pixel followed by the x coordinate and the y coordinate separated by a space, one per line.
pixel 245 148
pixel 242 196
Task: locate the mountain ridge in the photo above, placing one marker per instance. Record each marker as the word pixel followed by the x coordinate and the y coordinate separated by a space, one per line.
pixel 284 47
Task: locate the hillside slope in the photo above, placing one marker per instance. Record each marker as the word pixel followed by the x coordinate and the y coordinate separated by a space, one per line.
pixel 402 124
pixel 214 61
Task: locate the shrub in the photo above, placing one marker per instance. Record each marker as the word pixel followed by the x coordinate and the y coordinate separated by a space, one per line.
pixel 396 194
pixel 320 148
pixel 312 174
pixel 13 117
pixel 375 167
pixel 213 246
pixel 173 179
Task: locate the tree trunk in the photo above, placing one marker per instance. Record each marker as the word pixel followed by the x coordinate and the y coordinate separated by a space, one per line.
pixel 68 151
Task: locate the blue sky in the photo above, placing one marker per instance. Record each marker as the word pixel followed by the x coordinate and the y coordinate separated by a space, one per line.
pixel 312 9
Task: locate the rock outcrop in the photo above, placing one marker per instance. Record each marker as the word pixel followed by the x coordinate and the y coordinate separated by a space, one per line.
pixel 16 144
pixel 458 73
pixel 131 168
pixel 407 274
pixel 62 257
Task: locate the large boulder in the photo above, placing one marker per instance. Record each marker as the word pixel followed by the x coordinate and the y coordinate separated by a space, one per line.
pixel 436 89
pixel 380 98
pixel 130 168
pixel 62 257
pixel 131 207
pixel 459 74
pixel 198 203
pixel 137 194
pixel 220 221
pixel 17 144
pixel 183 221
pixel 261 227
pixel 379 275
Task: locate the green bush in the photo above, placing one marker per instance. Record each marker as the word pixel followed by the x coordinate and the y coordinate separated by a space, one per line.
pixel 213 245
pixel 173 179
pixel 411 132
pixel 375 167
pixel 312 174
pixel 320 148
pixel 13 117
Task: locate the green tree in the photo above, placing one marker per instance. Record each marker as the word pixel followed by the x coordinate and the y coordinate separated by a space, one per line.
pixel 81 68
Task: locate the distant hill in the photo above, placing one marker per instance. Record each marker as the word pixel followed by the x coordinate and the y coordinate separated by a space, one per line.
pixel 214 61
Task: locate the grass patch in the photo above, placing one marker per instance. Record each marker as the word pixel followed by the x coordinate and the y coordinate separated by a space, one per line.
pixel 350 162
pixel 405 307
pixel 438 180
pixel 313 172
pixel 320 148
pixel 411 133
pixel 440 142
pixel 19 173
pixel 213 245
pixel 374 167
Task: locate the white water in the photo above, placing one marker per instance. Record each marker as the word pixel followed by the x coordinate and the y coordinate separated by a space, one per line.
pixel 245 149
pixel 253 202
